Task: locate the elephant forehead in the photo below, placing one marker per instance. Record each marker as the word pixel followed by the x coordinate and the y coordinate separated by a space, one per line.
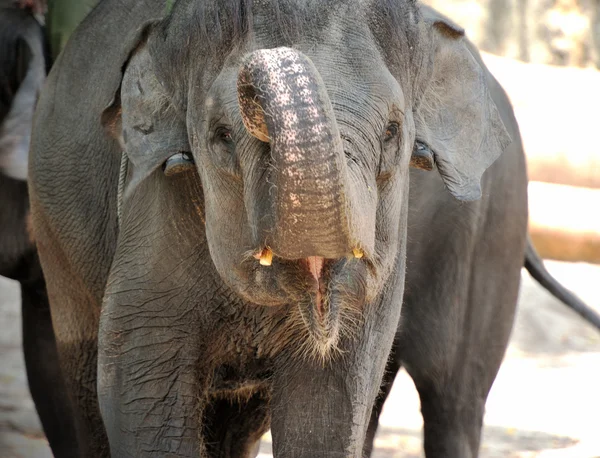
pixel 348 82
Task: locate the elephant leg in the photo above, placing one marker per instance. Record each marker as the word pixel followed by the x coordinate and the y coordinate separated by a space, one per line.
pixel 393 366
pixel 452 420
pixel 150 379
pixel 232 428
pixel 45 379
pixel 454 345
pixel 78 366
pixel 75 323
pixel 150 400
pixel 322 409
pixel 320 412
pixel 453 394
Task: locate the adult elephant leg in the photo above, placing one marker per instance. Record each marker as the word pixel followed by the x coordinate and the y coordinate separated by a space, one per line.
pixel 19 260
pixel 453 385
pixel 393 366
pixel 45 379
pixel 453 402
pixel 450 429
pixel 458 316
pixel 233 426
pixel 323 409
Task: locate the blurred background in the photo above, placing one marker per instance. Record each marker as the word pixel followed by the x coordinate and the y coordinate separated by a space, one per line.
pixel 546 399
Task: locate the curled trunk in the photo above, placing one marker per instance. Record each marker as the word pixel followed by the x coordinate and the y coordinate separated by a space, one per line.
pixel 284 102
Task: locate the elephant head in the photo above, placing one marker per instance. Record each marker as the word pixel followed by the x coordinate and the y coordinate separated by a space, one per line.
pixel 297 125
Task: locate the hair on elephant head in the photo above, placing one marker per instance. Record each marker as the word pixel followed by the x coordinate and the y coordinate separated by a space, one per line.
pixel 298 122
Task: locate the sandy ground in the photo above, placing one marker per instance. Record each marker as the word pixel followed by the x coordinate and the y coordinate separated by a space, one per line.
pixel 545 401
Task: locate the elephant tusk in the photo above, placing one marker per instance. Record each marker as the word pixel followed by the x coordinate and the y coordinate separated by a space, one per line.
pixel 358 253
pixel 266 257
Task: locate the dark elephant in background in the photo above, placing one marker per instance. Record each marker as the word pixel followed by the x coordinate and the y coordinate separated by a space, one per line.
pixel 222 207
pixel 23 64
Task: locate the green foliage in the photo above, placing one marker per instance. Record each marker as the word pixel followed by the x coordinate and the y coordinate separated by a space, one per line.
pixel 169 6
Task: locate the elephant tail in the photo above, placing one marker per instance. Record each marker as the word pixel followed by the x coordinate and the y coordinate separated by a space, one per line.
pixel 535 267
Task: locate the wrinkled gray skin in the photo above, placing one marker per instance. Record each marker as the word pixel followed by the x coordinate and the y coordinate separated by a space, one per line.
pixel 301 118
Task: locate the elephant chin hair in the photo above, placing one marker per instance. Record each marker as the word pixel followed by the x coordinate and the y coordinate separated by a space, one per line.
pixel 311 338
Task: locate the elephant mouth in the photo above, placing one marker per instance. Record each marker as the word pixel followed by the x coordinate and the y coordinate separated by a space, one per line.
pixel 324 298
pixel 315 265
pixel 334 301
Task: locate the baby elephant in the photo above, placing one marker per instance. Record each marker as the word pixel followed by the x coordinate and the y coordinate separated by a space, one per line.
pixel 226 218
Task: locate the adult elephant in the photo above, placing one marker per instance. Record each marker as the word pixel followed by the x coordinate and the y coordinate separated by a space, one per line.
pixel 23 62
pixel 231 255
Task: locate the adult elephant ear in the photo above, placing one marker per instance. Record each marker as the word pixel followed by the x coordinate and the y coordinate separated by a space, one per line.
pixel 455 116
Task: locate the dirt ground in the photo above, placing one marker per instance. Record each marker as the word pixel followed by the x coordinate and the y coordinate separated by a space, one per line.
pixel 545 401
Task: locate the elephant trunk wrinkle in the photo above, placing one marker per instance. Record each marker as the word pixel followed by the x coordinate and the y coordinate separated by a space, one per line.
pixel 283 100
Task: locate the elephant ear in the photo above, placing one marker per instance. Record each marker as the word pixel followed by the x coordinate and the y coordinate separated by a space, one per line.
pixel 456 117
pixel 111 115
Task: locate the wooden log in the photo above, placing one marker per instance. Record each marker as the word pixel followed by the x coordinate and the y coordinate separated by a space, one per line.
pixel 558 113
pixel 564 222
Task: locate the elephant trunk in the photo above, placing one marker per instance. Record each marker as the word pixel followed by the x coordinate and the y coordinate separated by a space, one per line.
pixel 283 101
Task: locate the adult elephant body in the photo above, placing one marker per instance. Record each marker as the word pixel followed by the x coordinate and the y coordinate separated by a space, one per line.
pixel 232 256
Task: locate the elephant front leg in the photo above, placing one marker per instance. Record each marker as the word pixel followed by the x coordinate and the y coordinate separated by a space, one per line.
pixel 323 409
pixel 148 382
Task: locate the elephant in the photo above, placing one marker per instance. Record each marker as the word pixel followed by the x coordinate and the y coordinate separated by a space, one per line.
pixel 241 207
pixel 23 65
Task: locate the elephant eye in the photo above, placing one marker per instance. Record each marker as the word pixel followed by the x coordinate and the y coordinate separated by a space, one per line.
pixel 391 131
pixel 422 157
pixel 178 162
pixel 224 135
